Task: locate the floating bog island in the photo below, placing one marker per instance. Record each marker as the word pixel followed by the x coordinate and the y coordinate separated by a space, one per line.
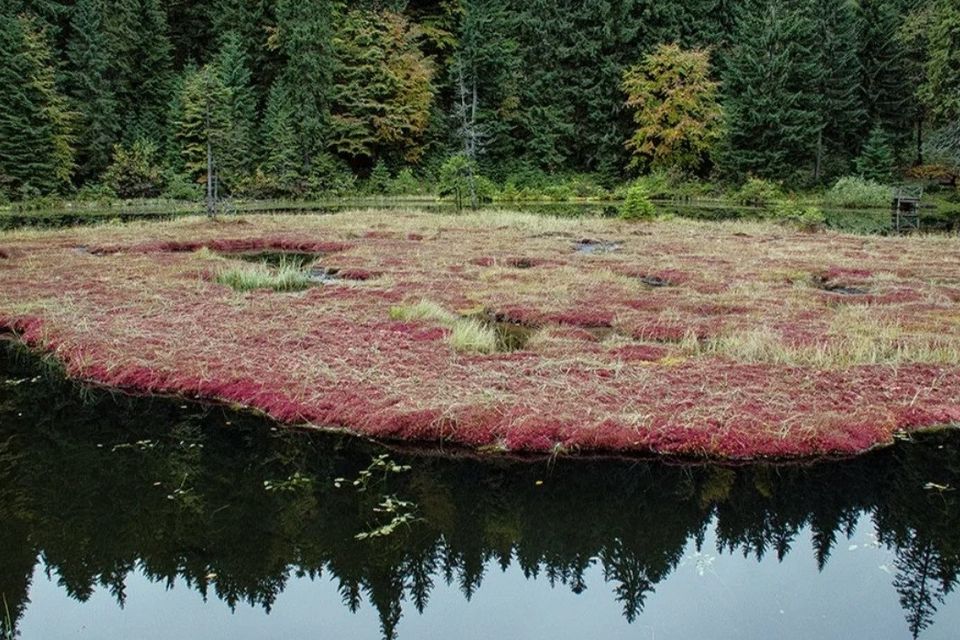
pixel 500 332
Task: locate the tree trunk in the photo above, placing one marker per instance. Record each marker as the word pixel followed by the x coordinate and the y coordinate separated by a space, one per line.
pixel 919 160
pixel 210 201
pixel 818 164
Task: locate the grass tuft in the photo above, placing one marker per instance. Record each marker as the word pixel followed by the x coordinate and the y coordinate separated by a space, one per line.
pixel 288 276
pixel 468 334
pixel 423 310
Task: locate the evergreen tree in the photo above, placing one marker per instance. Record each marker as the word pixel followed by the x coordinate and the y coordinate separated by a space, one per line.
pixel 281 166
pixel 876 159
pixel 886 98
pixel 36 156
pixel 772 122
pixel 90 90
pixel 141 57
pixel 203 130
pixel 253 22
pixel 941 91
pixel 236 159
pixel 483 76
pixel 838 100
pixel 303 36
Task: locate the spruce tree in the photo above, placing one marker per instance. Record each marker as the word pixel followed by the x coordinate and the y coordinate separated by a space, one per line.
pixel 237 155
pixel 886 98
pixel 876 159
pixel 941 91
pixel 772 121
pixel 90 91
pixel 204 124
pixel 141 67
pixel 36 156
pixel 305 40
pixel 282 163
pixel 837 96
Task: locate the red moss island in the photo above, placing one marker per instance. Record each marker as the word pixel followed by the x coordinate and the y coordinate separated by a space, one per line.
pixel 724 340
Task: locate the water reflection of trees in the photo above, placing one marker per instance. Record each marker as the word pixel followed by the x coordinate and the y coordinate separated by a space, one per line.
pixel 97 490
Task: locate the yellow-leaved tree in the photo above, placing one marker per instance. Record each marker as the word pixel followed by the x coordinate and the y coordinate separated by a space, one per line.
pixel 676 110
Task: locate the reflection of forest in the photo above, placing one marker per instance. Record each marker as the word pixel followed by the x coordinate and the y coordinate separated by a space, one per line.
pixel 94 510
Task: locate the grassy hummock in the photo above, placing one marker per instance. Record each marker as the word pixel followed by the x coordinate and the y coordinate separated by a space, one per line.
pixel 288 276
pixel 733 340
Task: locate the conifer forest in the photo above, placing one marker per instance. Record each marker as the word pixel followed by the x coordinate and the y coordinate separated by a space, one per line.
pixel 305 98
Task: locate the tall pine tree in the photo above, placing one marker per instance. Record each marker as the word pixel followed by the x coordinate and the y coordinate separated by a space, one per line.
pixel 837 97
pixel 237 157
pixel 772 122
pixel 36 156
pixel 886 97
pixel 304 38
pixel 90 90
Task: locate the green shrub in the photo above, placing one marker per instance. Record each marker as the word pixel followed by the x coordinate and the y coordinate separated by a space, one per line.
pixel 509 193
pixel 558 192
pixel 179 187
pixel 380 179
pixel 406 184
pixel 135 171
pixel 636 204
pixel 98 193
pixel 585 185
pixel 876 159
pixel 852 192
pixel 459 177
pixel 805 217
pixel 758 192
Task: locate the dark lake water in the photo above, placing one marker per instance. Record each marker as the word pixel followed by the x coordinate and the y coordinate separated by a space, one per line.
pixel 869 221
pixel 151 518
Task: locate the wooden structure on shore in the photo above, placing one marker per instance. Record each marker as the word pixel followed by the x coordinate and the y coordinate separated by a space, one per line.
pixel 906 209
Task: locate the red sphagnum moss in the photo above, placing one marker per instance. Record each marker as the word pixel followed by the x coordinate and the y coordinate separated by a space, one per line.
pixel 735 350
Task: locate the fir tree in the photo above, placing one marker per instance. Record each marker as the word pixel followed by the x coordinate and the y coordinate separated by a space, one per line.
pixel 838 100
pixel 90 91
pixel 141 57
pixel 36 156
pixel 303 36
pixel 204 125
pixel 886 100
pixel 941 91
pixel 772 123
pixel 237 156
pixel 876 159
pixel 281 165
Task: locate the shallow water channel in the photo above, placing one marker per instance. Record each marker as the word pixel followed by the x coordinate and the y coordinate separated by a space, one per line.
pixel 861 221
pixel 155 518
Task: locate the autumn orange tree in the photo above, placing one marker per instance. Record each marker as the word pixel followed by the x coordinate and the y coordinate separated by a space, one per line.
pixel 676 109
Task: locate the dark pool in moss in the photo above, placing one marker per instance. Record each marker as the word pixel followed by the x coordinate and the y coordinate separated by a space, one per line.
pixel 155 518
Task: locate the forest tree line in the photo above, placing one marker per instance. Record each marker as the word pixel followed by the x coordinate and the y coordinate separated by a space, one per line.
pixel 298 98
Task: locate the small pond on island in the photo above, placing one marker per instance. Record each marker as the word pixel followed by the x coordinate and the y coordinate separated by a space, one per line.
pixel 156 518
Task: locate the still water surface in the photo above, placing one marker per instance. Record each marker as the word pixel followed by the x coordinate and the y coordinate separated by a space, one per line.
pixel 861 221
pixel 138 518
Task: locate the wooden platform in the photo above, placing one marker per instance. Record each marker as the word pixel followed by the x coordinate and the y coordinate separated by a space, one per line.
pixel 905 214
